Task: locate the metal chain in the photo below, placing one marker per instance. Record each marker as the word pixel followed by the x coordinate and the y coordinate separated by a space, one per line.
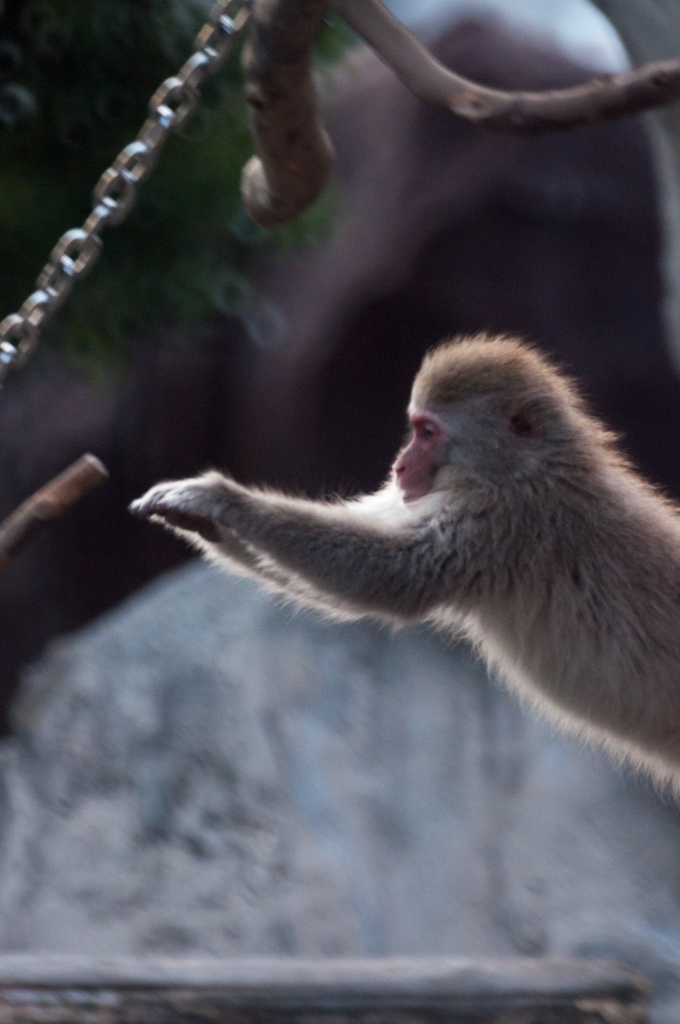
pixel 170 108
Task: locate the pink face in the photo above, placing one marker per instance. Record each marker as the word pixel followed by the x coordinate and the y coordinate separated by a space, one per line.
pixel 417 465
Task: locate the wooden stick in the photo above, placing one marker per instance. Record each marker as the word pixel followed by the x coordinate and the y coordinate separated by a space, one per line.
pixel 49 502
pixel 602 98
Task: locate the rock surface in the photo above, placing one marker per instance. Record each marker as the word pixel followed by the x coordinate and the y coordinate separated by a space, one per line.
pixel 206 772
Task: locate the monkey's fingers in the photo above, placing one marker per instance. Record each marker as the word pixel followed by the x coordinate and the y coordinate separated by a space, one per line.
pixel 161 506
pixel 161 499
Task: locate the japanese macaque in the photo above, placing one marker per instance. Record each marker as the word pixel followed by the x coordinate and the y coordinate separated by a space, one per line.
pixel 510 517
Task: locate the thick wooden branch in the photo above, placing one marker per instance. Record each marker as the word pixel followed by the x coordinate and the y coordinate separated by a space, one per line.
pixel 293 151
pixel 54 989
pixel 604 97
pixel 49 502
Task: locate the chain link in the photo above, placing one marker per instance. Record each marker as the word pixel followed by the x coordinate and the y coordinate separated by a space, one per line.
pixel 170 108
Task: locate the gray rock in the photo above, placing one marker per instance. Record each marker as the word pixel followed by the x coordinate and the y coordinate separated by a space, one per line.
pixel 206 772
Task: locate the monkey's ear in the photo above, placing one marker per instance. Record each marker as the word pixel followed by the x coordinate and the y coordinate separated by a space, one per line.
pixel 525 420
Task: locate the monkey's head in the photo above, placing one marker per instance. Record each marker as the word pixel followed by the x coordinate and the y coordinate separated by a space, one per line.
pixel 494 409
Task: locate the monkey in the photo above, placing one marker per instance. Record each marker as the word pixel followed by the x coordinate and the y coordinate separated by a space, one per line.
pixel 511 517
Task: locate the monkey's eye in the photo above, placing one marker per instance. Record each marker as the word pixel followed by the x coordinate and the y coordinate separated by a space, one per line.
pixel 524 425
pixel 425 428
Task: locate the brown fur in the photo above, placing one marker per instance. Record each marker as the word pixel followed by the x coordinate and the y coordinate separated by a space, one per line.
pixel 512 369
pixel 479 364
pixel 541 544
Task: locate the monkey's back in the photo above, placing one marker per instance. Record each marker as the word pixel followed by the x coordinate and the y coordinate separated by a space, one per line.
pixel 586 621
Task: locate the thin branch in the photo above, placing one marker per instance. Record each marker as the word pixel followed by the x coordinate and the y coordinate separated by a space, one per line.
pixel 49 502
pixel 294 153
pixel 603 97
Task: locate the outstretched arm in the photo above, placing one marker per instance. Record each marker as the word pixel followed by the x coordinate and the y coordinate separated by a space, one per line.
pixel 220 544
pixel 364 566
pixel 243 559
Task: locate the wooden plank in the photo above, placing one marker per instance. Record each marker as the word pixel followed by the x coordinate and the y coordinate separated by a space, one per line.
pixel 50 989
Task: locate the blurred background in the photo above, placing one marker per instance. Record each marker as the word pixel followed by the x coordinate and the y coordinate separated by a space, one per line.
pixel 577 27
pixel 186 767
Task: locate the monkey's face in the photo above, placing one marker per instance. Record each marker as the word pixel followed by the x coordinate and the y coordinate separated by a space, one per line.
pixel 418 463
pixel 489 437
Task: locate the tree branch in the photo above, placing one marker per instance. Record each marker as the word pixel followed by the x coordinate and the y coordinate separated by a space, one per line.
pixel 49 502
pixel 294 153
pixel 603 97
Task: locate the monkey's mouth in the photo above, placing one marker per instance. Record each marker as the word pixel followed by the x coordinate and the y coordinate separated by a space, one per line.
pixel 416 485
pixel 410 496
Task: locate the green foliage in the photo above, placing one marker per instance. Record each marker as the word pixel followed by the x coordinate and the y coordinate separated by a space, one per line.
pixel 75 79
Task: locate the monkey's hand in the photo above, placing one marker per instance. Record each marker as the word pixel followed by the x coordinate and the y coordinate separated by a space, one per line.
pixel 196 509
pixel 191 505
